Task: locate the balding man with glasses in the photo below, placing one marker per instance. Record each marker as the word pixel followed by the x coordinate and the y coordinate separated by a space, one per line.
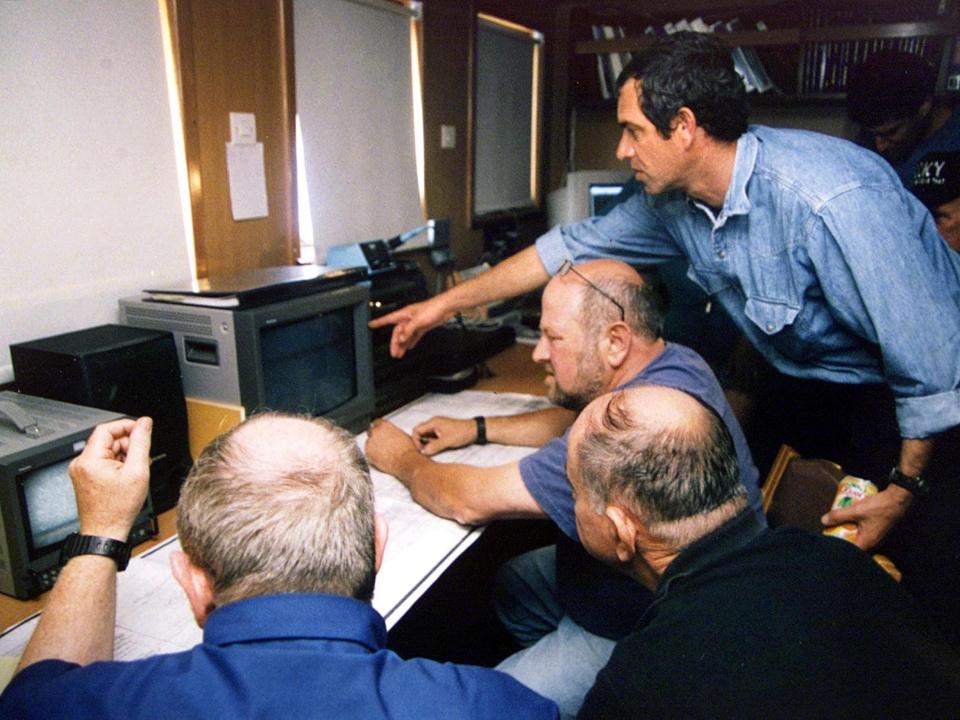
pixel 600 330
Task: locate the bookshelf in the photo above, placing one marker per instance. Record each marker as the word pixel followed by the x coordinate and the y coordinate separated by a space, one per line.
pixel 794 33
pixel 806 50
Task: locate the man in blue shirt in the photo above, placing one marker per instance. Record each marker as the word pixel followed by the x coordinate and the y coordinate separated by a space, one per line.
pixel 892 95
pixel 280 549
pixel 830 267
pixel 600 329
pixel 936 183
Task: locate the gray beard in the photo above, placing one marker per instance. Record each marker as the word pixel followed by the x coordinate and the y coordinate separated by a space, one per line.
pixel 570 401
pixel 576 400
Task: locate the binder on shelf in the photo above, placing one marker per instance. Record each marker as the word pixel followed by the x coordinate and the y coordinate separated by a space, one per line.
pixel 747 62
pixel 605 78
pixel 616 59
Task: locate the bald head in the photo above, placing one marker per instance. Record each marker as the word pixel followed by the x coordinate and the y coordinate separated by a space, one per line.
pixel 660 453
pixel 586 345
pixel 599 289
pixel 597 271
pixel 280 504
pixel 280 445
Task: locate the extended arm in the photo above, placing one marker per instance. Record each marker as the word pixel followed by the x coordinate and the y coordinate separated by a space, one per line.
pixel 919 347
pixel 517 274
pixel 875 516
pixel 531 429
pixel 110 479
pixel 465 493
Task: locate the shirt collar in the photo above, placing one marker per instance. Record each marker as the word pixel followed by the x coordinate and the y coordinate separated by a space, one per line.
pixel 713 549
pixel 736 201
pixel 312 616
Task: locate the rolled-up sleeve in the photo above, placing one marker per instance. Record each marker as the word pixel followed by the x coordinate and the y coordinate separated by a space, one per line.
pixel 632 232
pixel 889 277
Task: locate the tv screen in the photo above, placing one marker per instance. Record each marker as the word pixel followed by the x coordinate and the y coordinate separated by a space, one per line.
pixel 603 196
pixel 51 506
pixel 308 364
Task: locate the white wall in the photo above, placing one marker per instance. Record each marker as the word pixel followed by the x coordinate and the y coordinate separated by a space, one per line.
pixel 89 203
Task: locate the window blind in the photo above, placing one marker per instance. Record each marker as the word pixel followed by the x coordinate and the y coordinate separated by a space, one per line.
pixel 506 122
pixel 355 101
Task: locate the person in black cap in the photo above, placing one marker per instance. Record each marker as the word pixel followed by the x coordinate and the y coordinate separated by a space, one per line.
pixel 936 182
pixel 892 95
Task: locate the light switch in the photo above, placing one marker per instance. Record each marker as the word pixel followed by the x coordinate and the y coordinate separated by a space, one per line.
pixel 448 137
pixel 243 128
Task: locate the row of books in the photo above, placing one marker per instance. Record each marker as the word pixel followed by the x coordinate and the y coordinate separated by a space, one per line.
pixel 825 65
pixel 609 65
pixel 746 61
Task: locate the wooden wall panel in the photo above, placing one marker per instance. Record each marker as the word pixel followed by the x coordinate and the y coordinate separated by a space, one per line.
pixel 448 31
pixel 237 56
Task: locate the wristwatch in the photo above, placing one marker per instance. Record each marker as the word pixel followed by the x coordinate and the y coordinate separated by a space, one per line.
pixel 481 430
pixel 77 544
pixel 915 484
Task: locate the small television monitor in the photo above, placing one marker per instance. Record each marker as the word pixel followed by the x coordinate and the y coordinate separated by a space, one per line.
pixel 308 355
pixel 38 509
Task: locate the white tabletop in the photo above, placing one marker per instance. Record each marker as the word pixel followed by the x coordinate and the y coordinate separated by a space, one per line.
pixel 152 612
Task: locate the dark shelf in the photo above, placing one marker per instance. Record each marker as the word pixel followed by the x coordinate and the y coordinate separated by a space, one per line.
pixel 791 36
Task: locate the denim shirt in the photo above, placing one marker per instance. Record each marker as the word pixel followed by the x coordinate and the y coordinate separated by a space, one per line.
pixel 830 267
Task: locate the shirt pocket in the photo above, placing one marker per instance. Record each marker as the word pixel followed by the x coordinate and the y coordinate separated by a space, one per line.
pixel 769 315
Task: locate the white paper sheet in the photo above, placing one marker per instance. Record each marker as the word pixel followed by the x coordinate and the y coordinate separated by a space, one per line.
pixel 247 180
pixel 152 612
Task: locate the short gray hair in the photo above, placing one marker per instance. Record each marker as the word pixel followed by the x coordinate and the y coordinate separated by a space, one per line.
pixel 280 504
pixel 673 477
pixel 643 307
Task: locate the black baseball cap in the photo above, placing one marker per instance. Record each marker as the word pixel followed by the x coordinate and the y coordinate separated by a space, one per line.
pixel 936 179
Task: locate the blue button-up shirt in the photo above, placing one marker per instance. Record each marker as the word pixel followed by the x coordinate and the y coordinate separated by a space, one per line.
pixel 278 656
pixel 831 268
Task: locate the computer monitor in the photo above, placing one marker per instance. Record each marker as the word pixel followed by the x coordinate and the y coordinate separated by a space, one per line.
pixel 603 196
pixel 586 192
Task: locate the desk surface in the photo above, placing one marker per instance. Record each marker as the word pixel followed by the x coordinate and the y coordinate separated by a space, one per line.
pixel 512 370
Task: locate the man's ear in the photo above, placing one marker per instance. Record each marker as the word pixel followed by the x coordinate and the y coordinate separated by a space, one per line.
pixel 685 123
pixel 380 533
pixel 625 525
pixel 196 583
pixel 616 344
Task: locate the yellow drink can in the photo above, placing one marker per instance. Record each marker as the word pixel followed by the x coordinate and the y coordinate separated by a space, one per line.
pixel 850 490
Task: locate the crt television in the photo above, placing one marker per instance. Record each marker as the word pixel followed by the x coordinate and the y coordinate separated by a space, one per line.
pixel 38 439
pixel 307 355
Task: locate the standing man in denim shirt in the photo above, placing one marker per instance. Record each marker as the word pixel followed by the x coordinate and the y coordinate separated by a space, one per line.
pixel 834 271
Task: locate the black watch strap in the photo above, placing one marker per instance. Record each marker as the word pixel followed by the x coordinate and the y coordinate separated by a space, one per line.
pixel 481 430
pixel 915 484
pixel 77 544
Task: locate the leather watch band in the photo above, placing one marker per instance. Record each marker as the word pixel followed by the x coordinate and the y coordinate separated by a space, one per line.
pixel 915 484
pixel 481 430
